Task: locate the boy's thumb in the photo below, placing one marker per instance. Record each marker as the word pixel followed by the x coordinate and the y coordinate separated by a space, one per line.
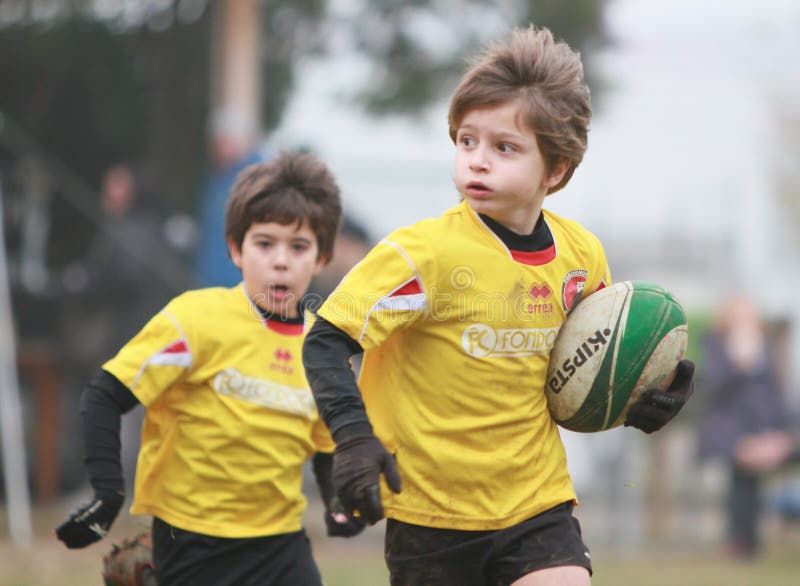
pixel 391 474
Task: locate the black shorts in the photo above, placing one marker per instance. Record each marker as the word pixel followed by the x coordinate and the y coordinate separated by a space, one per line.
pixel 191 559
pixel 424 556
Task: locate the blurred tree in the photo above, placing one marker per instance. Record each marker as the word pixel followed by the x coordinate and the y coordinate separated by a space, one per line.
pixel 100 80
pixel 93 91
pixel 75 88
pixel 416 47
pixel 96 82
pixel 291 31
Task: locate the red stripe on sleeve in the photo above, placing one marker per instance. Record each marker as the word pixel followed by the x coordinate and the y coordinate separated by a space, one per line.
pixel 411 288
pixel 179 346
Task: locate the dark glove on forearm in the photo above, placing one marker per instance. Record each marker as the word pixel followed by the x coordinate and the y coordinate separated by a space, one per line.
pixel 91 521
pixel 655 408
pixel 358 461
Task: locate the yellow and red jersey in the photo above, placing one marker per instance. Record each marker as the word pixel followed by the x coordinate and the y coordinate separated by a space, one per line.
pixel 457 331
pixel 230 419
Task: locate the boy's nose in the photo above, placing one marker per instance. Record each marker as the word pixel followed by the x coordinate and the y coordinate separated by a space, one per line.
pixel 478 161
pixel 281 257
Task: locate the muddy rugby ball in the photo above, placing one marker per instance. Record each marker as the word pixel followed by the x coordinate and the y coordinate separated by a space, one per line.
pixel 616 343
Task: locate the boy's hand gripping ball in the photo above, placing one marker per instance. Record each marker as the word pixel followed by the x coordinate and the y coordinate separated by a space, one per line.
pixel 620 344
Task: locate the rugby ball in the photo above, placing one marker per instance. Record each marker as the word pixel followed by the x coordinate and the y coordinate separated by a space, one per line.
pixel 615 344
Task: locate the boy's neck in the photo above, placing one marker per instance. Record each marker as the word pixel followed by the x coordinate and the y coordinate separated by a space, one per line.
pixel 539 238
pixel 265 314
pixel 287 326
pixel 520 221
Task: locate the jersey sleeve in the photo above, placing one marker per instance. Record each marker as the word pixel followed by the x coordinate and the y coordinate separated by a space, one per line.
pixel 600 276
pixel 321 437
pixel 156 358
pixel 386 291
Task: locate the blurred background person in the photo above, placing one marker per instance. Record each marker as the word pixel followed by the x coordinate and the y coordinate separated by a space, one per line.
pixel 746 420
pixel 131 269
pixel 231 148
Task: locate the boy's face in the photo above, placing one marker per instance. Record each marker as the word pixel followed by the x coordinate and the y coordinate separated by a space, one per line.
pixel 277 264
pixel 499 169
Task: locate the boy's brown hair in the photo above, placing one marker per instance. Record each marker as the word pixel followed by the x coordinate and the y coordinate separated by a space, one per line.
pixel 547 77
pixel 289 189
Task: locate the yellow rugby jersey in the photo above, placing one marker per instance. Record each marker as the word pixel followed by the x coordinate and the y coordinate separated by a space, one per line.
pixel 230 419
pixel 457 332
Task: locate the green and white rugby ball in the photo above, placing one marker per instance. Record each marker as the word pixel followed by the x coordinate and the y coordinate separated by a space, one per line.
pixel 616 343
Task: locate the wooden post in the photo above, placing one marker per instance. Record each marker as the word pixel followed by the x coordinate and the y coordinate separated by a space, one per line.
pixel 235 61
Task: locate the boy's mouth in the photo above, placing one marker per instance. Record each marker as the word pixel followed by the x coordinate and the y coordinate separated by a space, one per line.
pixel 279 291
pixel 477 188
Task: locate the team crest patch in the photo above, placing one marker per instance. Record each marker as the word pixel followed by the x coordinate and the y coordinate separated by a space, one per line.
pixel 572 289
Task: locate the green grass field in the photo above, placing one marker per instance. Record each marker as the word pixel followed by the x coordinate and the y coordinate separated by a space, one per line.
pixel 47 565
pixel 359 562
pixel 776 568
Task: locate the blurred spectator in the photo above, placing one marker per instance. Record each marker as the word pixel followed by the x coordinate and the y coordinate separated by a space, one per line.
pixel 130 271
pixel 746 419
pixel 131 268
pixel 232 148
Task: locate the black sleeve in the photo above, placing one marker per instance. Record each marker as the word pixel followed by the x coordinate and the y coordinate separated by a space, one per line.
pixel 326 357
pixel 103 402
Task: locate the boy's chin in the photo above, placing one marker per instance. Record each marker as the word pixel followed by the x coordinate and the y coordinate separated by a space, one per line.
pixel 480 206
pixel 286 307
pixel 286 313
pixel 487 208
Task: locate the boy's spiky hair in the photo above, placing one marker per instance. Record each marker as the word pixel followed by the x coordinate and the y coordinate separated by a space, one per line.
pixel 547 77
pixel 292 188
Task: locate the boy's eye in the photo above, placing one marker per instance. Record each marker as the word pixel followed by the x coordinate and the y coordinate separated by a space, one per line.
pixel 300 247
pixel 467 141
pixel 263 243
pixel 504 147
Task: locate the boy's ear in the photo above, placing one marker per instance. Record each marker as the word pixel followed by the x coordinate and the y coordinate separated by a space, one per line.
pixel 321 262
pixel 235 253
pixel 557 173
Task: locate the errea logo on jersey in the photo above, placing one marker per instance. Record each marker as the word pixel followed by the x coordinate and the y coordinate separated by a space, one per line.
pixel 282 361
pixel 479 341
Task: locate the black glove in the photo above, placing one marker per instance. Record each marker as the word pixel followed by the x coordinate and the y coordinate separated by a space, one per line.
pixel 90 522
pixel 358 461
pixel 655 408
pixel 350 528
